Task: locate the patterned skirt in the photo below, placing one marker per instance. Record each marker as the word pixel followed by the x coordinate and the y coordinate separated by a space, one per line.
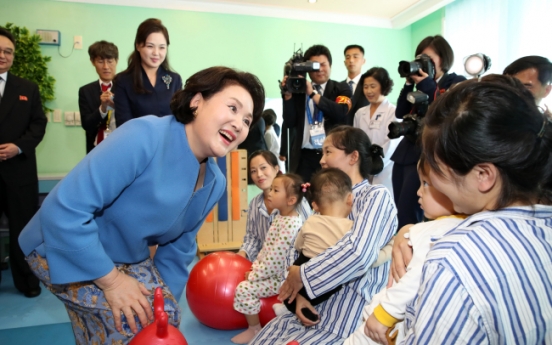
pixel 90 314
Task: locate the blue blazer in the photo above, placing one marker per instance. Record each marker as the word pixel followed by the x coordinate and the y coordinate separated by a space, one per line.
pixel 130 105
pixel 408 152
pixel 134 190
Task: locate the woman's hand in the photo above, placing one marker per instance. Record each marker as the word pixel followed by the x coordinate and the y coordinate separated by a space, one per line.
pixel 292 285
pixel 402 253
pixel 125 295
pixel 301 303
pixel 418 78
pixel 375 330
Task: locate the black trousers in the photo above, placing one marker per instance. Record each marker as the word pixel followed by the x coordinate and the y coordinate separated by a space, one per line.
pixel 19 203
pixel 309 163
pixel 315 301
pixel 405 186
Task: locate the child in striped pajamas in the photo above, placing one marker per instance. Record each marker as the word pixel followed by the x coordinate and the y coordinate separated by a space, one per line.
pixel 386 311
pixel 264 278
pixel 346 264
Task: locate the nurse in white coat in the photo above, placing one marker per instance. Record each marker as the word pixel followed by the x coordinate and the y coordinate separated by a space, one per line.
pixel 375 118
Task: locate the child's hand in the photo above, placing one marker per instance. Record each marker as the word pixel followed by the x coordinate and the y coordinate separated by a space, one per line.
pixel 247 274
pixel 375 330
pixel 291 285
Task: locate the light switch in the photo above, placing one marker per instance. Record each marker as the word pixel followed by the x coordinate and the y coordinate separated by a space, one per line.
pixel 57 115
pixel 77 118
pixel 69 118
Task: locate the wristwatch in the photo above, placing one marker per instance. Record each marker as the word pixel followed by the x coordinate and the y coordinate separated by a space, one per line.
pixel 314 92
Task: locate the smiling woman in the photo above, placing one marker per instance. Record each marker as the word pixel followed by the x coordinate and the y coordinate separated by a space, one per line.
pixel 166 185
pixel 147 85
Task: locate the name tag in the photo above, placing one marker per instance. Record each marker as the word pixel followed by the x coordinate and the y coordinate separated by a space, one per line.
pixel 375 123
pixel 317 135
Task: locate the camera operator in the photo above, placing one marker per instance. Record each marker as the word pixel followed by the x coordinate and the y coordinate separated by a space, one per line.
pixel 535 72
pixel 328 103
pixel 406 156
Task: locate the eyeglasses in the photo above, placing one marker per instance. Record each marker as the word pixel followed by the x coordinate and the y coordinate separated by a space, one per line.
pixel 7 52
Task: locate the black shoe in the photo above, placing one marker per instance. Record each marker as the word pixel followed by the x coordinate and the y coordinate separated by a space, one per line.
pixel 33 292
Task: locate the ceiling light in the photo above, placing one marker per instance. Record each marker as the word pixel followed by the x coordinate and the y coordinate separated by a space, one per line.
pixel 312 1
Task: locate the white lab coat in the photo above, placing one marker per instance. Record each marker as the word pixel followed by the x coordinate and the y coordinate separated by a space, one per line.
pixel 377 130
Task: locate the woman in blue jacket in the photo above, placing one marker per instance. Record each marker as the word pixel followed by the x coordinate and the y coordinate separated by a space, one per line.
pixel 406 156
pixel 152 182
pixel 148 84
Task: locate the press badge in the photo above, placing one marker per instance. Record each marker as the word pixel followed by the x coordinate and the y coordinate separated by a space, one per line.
pixel 107 132
pixel 317 135
pixel 376 123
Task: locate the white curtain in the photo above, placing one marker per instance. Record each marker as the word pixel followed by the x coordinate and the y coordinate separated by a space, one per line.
pixel 504 30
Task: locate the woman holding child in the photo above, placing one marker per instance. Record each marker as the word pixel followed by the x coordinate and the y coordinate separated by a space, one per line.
pixel 346 264
pixel 489 280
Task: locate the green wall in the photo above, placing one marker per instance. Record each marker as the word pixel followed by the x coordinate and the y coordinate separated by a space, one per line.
pixel 198 40
pixel 430 25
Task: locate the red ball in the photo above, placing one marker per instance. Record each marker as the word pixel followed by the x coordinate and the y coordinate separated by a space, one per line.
pixel 211 287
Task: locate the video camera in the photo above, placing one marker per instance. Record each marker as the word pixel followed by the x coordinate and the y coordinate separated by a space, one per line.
pixel 422 62
pixel 411 124
pixel 294 67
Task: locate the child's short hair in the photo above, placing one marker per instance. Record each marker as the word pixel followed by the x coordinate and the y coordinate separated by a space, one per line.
pixel 423 167
pixel 292 184
pixel 329 185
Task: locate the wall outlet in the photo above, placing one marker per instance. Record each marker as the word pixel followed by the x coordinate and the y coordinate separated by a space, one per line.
pixel 69 118
pixel 57 115
pixel 77 118
pixel 77 42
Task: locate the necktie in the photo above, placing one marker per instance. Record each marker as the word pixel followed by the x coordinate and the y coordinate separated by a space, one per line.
pixel 101 129
pixel 351 85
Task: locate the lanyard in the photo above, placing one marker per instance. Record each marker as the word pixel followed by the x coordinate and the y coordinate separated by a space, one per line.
pixel 319 115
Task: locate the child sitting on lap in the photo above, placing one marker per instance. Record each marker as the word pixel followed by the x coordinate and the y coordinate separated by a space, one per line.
pixel 331 194
pixel 386 311
pixel 264 278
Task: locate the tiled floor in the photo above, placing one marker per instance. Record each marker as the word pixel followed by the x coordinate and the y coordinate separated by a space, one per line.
pixel 43 320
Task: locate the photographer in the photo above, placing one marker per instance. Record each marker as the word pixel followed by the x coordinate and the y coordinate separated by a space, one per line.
pixel 405 175
pixel 328 104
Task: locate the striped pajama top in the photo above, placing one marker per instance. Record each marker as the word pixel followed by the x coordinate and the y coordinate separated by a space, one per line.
pixel 489 281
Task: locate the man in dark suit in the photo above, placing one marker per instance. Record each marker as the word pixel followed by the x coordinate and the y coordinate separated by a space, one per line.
pixel 22 127
pixel 95 99
pixel 328 103
pixel 354 60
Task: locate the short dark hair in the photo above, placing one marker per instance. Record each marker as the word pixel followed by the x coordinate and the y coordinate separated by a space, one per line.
pixel 353 46
pixel 267 155
pixel 7 33
pixel 329 185
pixel 211 81
pixel 104 50
pixel 382 77
pixel 441 47
pixel 146 28
pixel 350 139
pixel 541 64
pixel 492 122
pixel 317 50
pixel 292 184
pixel 269 117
